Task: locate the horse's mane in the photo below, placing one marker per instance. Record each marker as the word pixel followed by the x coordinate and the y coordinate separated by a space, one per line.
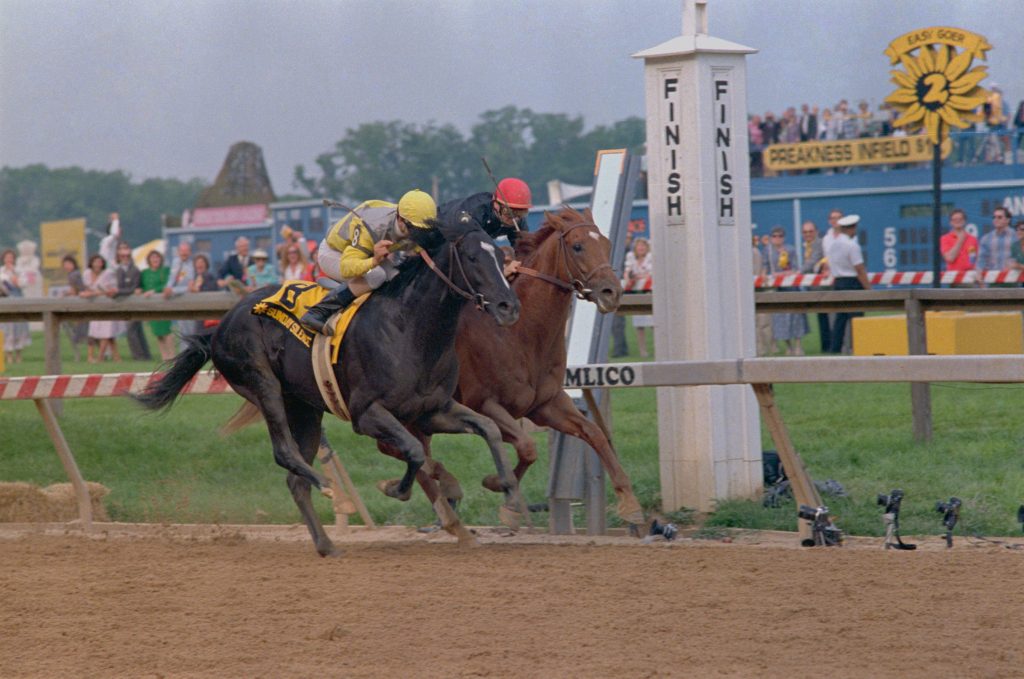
pixel 554 222
pixel 433 240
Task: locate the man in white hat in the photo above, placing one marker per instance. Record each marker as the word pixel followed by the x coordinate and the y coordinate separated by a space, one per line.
pixel 846 261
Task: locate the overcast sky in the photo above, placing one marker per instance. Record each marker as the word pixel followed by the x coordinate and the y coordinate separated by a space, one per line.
pixel 162 88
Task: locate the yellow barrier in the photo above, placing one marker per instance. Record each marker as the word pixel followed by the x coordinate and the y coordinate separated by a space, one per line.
pixel 949 333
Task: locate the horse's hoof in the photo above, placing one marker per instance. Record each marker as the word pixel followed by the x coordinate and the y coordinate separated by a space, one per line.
pixel 493 483
pixel 328 492
pixel 638 530
pixel 509 517
pixel 390 488
pixel 329 551
pixel 468 541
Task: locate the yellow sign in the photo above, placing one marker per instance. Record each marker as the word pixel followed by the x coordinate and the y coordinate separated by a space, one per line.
pixel 938 88
pixel 65 237
pixel 847 152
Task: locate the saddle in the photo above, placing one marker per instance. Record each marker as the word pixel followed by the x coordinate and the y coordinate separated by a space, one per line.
pixel 286 306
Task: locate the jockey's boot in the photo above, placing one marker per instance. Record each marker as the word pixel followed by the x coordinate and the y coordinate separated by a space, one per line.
pixel 316 317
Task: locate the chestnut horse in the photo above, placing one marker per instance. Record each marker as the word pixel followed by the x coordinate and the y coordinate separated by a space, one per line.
pixel 511 372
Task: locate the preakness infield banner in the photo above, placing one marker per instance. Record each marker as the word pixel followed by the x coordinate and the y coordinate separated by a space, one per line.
pixel 847 152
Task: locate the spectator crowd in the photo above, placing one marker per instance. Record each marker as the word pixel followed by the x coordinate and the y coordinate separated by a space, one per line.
pixel 988 141
pixel 111 272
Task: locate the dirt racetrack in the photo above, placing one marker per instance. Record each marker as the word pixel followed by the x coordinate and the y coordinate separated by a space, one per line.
pixel 239 602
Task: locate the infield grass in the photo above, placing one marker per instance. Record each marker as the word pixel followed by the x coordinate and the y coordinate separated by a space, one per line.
pixel 175 468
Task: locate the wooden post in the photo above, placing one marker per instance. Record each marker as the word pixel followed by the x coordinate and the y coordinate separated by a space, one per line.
pixel 68 460
pixel 332 463
pixel 51 346
pixel 920 392
pixel 803 487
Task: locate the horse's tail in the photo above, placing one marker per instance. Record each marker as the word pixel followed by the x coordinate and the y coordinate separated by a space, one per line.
pixel 180 369
pixel 243 417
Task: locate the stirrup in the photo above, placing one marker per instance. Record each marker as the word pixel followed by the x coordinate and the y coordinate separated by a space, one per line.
pixel 313 322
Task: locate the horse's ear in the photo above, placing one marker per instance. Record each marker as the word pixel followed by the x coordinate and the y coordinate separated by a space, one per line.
pixel 588 214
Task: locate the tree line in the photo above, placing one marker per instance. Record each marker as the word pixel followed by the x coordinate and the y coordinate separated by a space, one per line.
pixel 384 159
pixel 380 159
pixel 35 193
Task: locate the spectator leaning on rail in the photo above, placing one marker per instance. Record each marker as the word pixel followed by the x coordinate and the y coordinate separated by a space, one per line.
pixel 236 266
pixel 959 248
pixel 129 282
pixel 848 273
pixel 994 249
pixel 1017 248
pixel 502 213
pixel 183 270
pixel 364 248
pixel 814 263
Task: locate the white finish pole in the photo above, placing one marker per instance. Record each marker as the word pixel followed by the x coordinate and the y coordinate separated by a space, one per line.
pixel 699 188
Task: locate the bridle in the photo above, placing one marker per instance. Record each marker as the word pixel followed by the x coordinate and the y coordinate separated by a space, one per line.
pixel 454 262
pixel 579 283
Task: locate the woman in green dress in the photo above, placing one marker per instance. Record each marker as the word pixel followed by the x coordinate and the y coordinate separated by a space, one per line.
pixel 153 282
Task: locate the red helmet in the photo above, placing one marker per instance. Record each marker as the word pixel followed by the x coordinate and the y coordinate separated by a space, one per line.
pixel 514 193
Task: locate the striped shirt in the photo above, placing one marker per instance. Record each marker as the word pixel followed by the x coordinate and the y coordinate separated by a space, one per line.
pixel 994 250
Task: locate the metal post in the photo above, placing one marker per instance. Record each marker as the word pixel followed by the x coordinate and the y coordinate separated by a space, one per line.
pixel 937 212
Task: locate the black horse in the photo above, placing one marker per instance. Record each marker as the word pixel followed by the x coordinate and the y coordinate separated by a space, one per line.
pixel 397 369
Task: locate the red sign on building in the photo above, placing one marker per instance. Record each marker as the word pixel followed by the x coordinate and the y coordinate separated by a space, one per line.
pixel 232 215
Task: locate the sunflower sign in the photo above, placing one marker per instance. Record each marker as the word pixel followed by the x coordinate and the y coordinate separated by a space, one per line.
pixel 938 85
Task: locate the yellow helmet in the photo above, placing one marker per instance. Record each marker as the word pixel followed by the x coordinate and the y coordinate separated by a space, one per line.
pixel 416 207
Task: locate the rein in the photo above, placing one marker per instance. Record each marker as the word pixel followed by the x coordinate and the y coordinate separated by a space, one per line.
pixel 471 295
pixel 578 282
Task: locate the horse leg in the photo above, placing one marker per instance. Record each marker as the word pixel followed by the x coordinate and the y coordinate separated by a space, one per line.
pixel 561 414
pixel 450 492
pixel 380 424
pixel 257 384
pixel 305 425
pixel 423 476
pixel 511 432
pixel 440 487
pixel 459 419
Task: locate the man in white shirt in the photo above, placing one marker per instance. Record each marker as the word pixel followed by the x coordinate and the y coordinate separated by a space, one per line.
pixel 848 273
pixel 834 215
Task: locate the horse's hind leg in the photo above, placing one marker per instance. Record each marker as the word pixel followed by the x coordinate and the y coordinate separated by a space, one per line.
pixel 459 419
pixel 562 415
pixel 255 381
pixel 305 423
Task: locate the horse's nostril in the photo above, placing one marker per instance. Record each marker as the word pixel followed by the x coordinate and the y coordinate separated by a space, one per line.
pixel 608 292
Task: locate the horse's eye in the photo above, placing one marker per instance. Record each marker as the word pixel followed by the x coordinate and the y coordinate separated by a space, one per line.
pixel 578 247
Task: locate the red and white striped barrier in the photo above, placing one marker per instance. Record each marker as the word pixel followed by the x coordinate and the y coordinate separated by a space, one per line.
pixel 890 278
pixel 94 386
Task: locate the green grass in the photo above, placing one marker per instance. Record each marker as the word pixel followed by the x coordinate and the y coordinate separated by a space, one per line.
pixel 175 468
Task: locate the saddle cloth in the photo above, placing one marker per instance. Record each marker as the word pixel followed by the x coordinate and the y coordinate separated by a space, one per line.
pixel 286 306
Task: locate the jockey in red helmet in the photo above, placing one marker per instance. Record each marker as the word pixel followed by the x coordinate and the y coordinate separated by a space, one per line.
pixel 501 213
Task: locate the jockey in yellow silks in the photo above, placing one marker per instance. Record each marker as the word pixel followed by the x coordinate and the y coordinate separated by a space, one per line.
pixel 364 248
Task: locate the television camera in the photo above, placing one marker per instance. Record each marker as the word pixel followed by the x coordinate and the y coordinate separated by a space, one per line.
pixel 823 532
